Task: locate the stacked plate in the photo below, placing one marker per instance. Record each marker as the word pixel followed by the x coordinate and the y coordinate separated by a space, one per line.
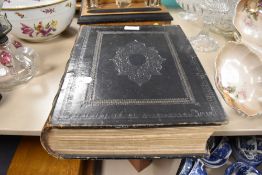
pixel 219 153
pixel 247 152
pixel 241 168
pixel 239 64
pixel 191 166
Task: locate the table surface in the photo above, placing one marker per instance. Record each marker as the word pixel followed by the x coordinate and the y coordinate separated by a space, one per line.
pixel 24 110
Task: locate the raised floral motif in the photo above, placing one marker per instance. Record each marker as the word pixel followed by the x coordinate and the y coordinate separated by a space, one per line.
pixel 40 29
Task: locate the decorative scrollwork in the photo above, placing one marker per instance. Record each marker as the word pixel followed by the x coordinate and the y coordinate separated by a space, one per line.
pixel 138 73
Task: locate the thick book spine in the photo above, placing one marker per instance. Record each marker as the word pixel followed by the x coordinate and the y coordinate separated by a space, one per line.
pixel 48 126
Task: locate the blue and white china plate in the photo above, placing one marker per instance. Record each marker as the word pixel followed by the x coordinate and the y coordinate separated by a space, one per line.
pixel 219 153
pixel 215 165
pixel 185 166
pixel 248 149
pixel 241 168
pixel 198 168
pixel 191 166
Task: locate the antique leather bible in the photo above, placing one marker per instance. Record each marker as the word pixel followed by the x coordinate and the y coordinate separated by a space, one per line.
pixel 125 80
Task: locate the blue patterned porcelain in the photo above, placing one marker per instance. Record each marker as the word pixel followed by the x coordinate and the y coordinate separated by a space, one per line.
pixel 219 153
pixel 191 166
pixel 198 168
pixel 241 168
pixel 217 164
pixel 248 149
pixel 185 166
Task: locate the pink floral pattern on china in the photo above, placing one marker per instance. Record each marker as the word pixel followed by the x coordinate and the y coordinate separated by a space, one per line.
pixel 5 58
pixel 17 44
pixel 238 78
pixel 238 94
pixel 40 29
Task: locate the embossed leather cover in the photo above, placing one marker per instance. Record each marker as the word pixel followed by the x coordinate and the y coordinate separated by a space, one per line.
pixel 120 78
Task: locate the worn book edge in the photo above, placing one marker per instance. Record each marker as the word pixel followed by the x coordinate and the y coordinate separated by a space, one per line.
pixel 113 144
pixel 47 126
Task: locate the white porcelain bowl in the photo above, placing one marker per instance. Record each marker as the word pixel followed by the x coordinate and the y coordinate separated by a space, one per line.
pixel 248 21
pixel 38 20
pixel 239 78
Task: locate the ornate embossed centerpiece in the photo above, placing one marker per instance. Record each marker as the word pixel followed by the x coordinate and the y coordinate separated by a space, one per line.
pixel 138 73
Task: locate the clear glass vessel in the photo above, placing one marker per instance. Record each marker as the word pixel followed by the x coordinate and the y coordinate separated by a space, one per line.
pixel 93 4
pixel 190 11
pixel 152 3
pixel 224 23
pixel 18 64
pixel 208 9
pixel 123 3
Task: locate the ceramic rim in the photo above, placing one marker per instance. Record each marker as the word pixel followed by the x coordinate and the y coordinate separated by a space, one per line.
pixel 33 7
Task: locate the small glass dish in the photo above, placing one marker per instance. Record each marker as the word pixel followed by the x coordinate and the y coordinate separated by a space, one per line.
pixel 18 64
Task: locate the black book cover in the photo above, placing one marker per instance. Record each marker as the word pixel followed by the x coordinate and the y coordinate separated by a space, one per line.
pixel 147 77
